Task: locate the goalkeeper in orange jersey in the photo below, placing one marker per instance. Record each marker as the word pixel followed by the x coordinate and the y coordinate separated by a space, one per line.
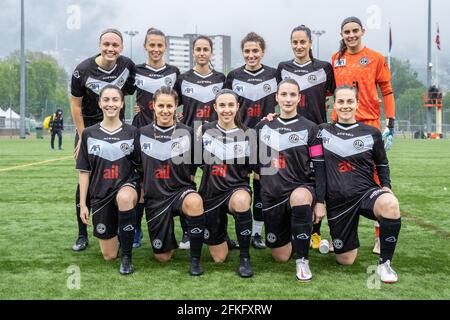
pixel 366 69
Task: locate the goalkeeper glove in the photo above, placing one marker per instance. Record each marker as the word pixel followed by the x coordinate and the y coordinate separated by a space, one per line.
pixel 388 134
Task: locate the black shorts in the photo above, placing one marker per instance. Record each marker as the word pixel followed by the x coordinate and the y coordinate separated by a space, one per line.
pixel 216 211
pixel 105 217
pixel 343 221
pixel 160 222
pixel 277 220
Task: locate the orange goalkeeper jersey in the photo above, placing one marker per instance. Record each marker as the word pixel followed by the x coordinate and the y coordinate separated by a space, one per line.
pixel 366 69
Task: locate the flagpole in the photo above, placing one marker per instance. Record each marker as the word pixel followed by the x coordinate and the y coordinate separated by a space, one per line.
pixel 437 60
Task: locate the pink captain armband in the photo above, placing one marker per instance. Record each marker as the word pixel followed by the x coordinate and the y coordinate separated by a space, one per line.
pixel 316 151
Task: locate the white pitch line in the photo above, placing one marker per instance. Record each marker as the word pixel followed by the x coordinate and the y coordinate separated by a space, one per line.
pixel 34 164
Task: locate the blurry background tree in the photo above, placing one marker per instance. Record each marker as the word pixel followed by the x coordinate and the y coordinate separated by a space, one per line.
pixel 47 85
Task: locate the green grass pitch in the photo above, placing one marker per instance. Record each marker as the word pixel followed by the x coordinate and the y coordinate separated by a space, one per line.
pixel 38 228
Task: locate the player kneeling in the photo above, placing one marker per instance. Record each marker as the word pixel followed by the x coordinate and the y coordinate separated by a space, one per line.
pixel 225 183
pixel 107 163
pixel 292 193
pixel 350 149
pixel 166 149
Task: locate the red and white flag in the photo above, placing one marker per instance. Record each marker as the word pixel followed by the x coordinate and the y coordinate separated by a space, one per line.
pixel 438 39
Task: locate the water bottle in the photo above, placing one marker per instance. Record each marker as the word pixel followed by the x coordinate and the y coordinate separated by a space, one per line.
pixel 324 246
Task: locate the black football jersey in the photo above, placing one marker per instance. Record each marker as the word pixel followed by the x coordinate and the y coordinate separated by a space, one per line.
pixel 350 153
pixel 147 81
pixel 226 159
pixel 198 94
pixel 286 149
pixel 316 81
pixel 256 92
pixel 88 80
pixel 167 160
pixel 110 157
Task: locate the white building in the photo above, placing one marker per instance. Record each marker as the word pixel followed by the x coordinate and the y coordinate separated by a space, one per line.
pixel 179 52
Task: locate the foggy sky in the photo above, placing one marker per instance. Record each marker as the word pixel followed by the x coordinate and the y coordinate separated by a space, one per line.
pixel 46 24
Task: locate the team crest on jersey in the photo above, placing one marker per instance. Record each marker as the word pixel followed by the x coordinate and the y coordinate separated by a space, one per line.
pixel 358 144
pixel 340 63
pixel 101 228
pixel 157 244
pixel 271 238
pixel 120 82
pixel 267 88
pixel 215 89
pixel 176 146
pixel 293 138
pixel 76 74
pixel 364 61
pixel 238 150
pixel 206 234
pixel 126 148
pixel 147 146
pixel 95 149
pixel 312 78
pixel 266 137
pixel 168 81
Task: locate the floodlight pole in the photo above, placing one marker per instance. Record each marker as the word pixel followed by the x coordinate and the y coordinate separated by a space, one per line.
pixel 22 71
pixel 429 67
pixel 318 33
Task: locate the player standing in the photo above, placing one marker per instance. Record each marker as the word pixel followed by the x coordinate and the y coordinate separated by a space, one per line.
pixel 292 193
pixel 107 163
pixel 351 149
pixel 225 186
pixel 151 76
pixel 198 87
pixel 316 81
pixel 89 77
pixel 256 85
pixel 169 189
pixel 367 70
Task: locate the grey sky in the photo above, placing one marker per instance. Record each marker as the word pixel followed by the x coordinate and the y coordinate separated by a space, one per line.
pixel 46 21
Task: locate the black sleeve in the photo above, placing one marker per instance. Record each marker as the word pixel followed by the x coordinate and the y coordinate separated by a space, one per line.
pixel 129 88
pixel 229 81
pixel 62 124
pixel 381 160
pixel 278 75
pixel 137 159
pixel 316 155
pixel 177 88
pixel 331 83
pixel 77 88
pixel 83 163
pixel 256 165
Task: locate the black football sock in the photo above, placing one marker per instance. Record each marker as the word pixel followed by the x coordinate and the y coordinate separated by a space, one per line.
pixel 316 228
pixel 301 230
pixel 243 225
pixel 196 230
pixel 389 231
pixel 127 225
pixel 82 228
pixel 184 224
pixel 257 202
